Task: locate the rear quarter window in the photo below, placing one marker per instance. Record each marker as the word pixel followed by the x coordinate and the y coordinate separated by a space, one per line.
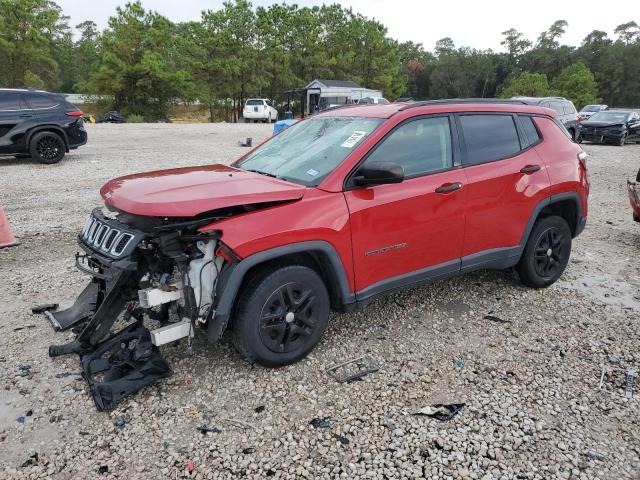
pixel 569 108
pixel 532 136
pixel 489 137
pixel 37 102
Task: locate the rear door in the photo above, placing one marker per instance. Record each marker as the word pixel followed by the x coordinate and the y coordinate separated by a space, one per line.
pixel 506 179
pixel 13 116
pixel 412 231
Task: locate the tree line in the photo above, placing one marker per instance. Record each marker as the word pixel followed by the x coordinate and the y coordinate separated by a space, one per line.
pixel 145 63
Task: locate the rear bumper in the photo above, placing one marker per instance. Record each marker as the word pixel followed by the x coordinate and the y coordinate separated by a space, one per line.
pixel 78 139
pixel 634 199
pixel 256 115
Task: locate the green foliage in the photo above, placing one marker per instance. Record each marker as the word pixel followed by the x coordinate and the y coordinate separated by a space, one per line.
pixel 30 31
pixel 527 84
pixel 135 118
pixel 137 67
pixel 144 62
pixel 577 83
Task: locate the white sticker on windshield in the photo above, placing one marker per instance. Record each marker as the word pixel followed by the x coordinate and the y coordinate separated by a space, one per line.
pixel 355 137
pixel 312 172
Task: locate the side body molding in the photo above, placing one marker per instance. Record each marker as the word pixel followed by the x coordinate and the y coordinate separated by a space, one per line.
pixel 230 281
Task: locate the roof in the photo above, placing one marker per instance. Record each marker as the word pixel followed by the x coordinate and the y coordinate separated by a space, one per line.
pixel 536 100
pixel 387 110
pixel 338 83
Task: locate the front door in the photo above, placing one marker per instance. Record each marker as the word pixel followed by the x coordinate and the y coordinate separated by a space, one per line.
pixel 412 231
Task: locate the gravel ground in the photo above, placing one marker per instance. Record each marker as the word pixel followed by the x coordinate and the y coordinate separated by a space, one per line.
pixel 530 385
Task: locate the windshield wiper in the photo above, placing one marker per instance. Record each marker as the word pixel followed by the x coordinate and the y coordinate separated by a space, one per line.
pixel 262 173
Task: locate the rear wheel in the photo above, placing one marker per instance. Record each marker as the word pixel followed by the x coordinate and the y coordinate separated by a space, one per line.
pixel 47 147
pixel 546 253
pixel 281 315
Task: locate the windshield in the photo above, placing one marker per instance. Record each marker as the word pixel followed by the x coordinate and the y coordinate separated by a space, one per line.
pixel 591 108
pixel 610 117
pixel 309 150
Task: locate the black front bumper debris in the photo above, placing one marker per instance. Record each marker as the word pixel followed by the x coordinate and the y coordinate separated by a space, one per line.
pixel 121 365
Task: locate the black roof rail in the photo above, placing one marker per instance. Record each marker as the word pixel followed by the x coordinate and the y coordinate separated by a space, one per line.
pixel 448 101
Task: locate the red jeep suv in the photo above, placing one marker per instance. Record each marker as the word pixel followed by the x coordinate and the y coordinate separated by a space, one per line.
pixel 339 209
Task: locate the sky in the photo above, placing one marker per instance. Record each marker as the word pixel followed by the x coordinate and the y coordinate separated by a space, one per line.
pixel 472 23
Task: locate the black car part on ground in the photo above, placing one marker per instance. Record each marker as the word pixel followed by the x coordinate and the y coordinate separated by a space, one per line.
pixel 112 117
pixel 121 365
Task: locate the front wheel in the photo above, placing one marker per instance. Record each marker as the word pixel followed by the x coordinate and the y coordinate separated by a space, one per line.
pixel 622 140
pixel 47 147
pixel 546 253
pixel 281 315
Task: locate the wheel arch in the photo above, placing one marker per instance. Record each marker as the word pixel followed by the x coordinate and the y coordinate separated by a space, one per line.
pixel 317 254
pixel 567 205
pixel 48 128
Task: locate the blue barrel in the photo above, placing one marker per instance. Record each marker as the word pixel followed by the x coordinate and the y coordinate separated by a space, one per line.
pixel 282 125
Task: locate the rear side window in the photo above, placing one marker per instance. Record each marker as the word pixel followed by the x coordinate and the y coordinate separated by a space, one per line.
pixel 42 101
pixel 9 102
pixel 531 132
pixel 557 107
pixel 419 146
pixel 489 137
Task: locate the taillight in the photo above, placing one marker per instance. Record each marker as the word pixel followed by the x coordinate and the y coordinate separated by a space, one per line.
pixel 74 114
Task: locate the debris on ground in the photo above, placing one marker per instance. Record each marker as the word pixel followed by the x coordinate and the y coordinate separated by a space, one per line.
pixel 32 460
pixel 340 439
pixel 190 466
pixel 353 369
pixel 440 411
pixel 39 309
pixel 24 327
pixel 320 423
pixel 246 143
pixel 496 319
pixel 103 469
pixel 248 451
pixel 204 430
pixel 458 362
pixel 628 387
pixel 259 409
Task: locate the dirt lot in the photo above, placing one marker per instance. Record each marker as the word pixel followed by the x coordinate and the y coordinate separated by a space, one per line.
pixel 533 407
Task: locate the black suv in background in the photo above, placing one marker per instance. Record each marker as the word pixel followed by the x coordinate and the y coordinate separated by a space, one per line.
pixel 565 109
pixel 39 124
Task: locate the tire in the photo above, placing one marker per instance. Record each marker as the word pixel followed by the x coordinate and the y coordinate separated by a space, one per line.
pixel 572 132
pixel 281 315
pixel 579 139
pixel 622 140
pixel 546 253
pixel 47 147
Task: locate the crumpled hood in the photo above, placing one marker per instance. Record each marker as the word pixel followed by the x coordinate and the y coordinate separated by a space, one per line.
pixel 597 124
pixel 187 192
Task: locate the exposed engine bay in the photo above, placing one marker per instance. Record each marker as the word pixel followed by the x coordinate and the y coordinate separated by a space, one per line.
pixel 141 268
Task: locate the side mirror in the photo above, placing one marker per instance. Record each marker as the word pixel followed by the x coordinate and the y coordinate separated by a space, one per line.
pixel 378 173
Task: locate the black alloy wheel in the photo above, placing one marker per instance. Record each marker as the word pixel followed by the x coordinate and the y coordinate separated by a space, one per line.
pixel 281 314
pixel 546 253
pixel 47 147
pixel 550 253
pixel 288 317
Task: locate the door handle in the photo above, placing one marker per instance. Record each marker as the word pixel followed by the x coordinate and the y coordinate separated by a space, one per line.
pixel 530 169
pixel 449 187
pixel 25 115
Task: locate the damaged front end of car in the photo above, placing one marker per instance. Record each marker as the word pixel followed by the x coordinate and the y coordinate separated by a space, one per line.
pixel 161 269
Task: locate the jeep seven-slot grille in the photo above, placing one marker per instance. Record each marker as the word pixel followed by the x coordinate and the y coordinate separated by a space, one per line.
pixel 102 237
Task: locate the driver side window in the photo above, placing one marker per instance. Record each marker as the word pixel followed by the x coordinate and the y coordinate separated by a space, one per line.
pixel 419 146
